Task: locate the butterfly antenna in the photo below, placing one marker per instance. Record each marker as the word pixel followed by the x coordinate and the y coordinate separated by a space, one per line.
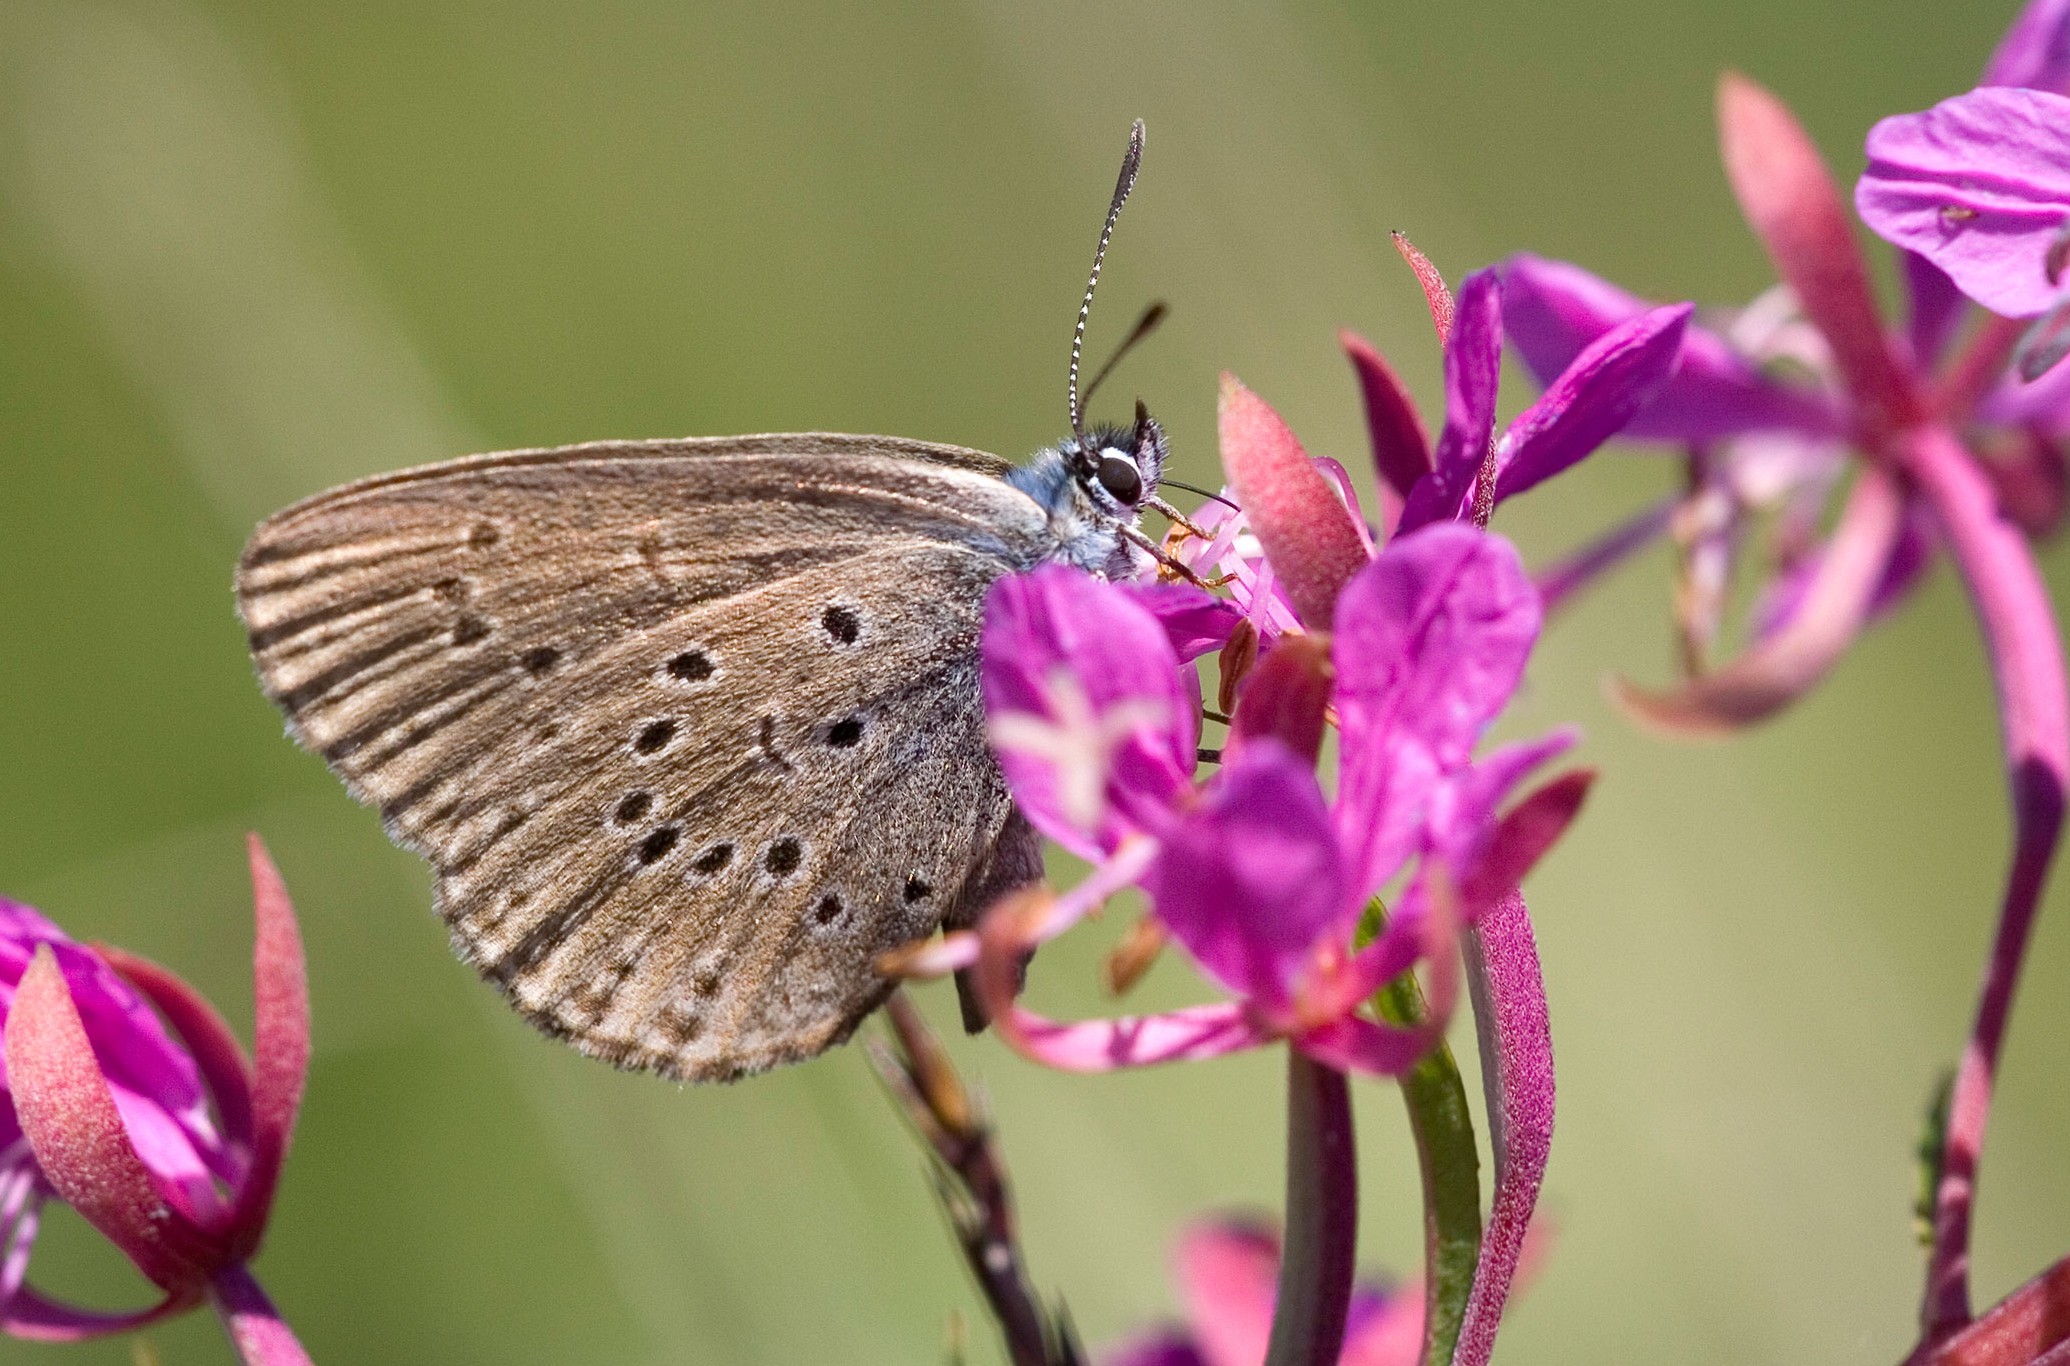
pixel 1131 162
pixel 1195 488
pixel 1145 325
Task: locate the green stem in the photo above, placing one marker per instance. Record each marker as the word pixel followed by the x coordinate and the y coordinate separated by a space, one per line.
pixel 1320 1250
pixel 1435 1097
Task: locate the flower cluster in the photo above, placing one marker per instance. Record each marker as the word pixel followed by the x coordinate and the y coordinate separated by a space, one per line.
pixel 128 1098
pixel 1410 643
pixel 1951 426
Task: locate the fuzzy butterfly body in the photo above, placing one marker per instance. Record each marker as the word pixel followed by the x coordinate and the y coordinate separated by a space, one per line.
pixel 690 731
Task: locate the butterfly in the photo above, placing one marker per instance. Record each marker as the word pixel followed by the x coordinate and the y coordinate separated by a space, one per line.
pixel 690 731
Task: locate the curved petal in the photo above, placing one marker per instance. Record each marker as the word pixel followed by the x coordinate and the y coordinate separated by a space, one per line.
pixel 1792 205
pixel 1401 448
pixel 1309 536
pixel 1779 670
pixel 215 1049
pixel 2035 50
pixel 1250 881
pixel 1592 399
pixel 1524 836
pixel 1552 311
pixel 70 1119
pixel 1186 1035
pixel 261 1335
pixel 1431 641
pixel 152 1077
pixel 32 1315
pixel 1094 727
pixel 1979 185
pixel 280 1044
pixel 1473 370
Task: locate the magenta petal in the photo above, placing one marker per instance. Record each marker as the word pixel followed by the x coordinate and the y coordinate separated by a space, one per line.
pixel 215 1049
pixel 1194 620
pixel 1463 811
pixel 1935 308
pixel 1250 880
pixel 1401 448
pixel 1186 1035
pixel 1523 837
pixel 261 1335
pixel 280 1051
pixel 1517 1069
pixel 152 1077
pixel 1593 398
pixel 1978 185
pixel 1310 538
pixel 2035 51
pixel 1473 369
pixel 1791 203
pixel 1552 311
pixel 1093 724
pixel 69 1117
pixel 37 1318
pixel 1431 641
pixel 1227 1272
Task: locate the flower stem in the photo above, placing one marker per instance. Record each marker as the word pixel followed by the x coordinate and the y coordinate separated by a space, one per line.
pixel 2026 653
pixel 1315 1268
pixel 258 1332
pixel 1435 1098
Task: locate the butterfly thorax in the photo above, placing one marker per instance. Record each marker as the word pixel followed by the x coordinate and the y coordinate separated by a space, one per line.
pixel 1092 502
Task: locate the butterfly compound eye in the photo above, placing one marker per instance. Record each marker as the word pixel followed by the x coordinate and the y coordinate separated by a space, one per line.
pixel 1119 476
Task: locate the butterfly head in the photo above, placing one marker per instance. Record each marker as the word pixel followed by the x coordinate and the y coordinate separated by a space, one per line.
pixel 1117 467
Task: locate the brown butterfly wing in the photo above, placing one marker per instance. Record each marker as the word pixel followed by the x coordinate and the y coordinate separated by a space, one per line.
pixel 689 730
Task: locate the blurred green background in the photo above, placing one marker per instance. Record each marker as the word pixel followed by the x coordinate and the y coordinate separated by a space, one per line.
pixel 250 248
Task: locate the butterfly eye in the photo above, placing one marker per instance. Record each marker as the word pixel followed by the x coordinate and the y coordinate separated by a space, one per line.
pixel 1118 475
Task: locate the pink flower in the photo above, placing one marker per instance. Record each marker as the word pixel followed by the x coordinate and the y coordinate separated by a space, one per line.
pixel 1921 424
pixel 1257 875
pixel 1225 1270
pixel 130 1100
